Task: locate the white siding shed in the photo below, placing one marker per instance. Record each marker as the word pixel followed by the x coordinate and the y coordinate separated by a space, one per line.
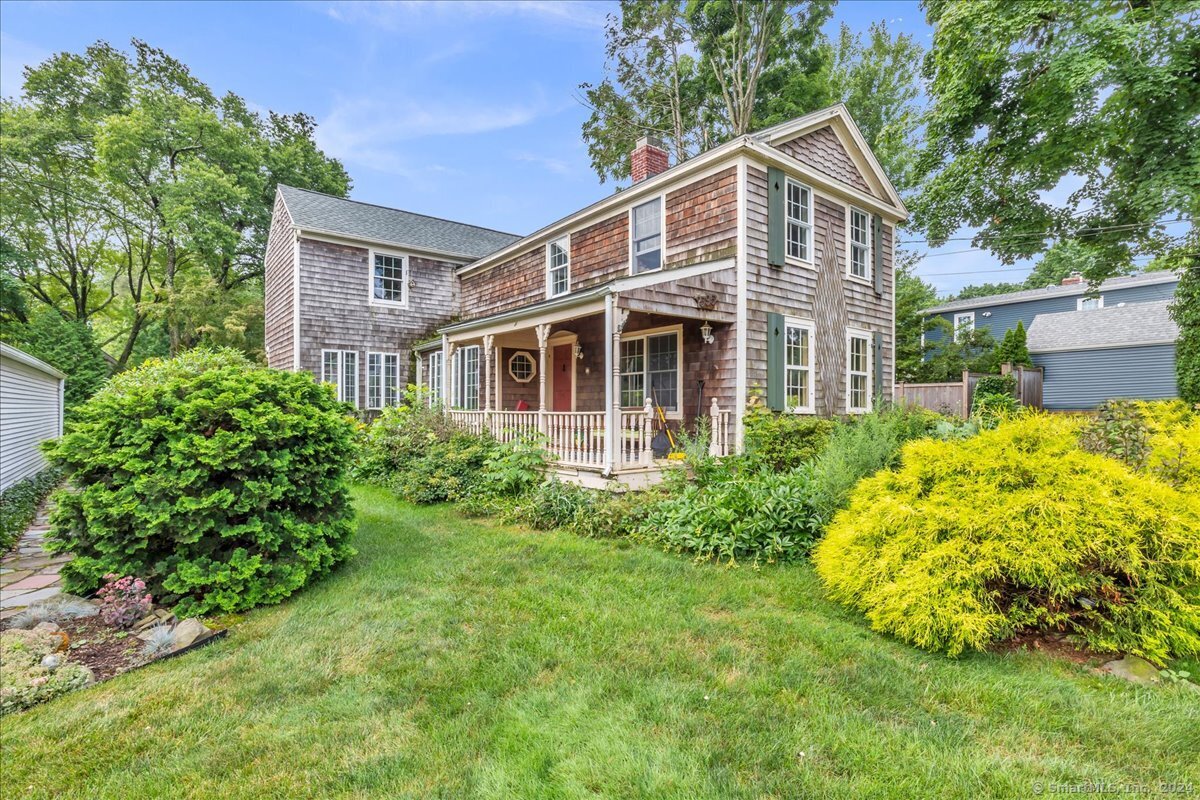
pixel 31 411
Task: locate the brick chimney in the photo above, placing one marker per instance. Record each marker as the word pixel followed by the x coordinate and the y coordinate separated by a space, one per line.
pixel 1072 279
pixel 648 159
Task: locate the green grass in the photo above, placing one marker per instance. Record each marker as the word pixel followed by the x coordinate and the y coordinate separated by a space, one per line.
pixel 456 659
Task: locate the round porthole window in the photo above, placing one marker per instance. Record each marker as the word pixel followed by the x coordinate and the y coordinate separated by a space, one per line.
pixel 522 367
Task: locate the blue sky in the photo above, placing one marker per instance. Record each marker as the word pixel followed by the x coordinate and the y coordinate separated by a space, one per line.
pixel 467 110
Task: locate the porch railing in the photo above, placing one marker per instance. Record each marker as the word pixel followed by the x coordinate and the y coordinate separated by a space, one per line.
pixel 579 438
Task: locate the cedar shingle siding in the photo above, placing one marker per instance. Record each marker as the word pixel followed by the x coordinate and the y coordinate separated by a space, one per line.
pixel 278 289
pixel 823 151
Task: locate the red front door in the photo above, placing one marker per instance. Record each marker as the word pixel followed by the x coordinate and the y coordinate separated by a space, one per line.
pixel 563 371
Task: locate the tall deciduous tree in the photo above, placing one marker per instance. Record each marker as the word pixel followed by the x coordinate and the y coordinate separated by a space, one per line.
pixel 696 73
pixel 1097 100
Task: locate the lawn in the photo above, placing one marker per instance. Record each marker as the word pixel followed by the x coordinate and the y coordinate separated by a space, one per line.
pixel 453 658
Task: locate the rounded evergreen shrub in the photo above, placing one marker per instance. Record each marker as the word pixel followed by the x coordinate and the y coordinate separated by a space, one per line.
pixel 968 543
pixel 221 483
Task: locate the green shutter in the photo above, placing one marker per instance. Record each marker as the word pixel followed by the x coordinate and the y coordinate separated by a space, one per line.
pixel 877 251
pixel 775 371
pixel 776 221
pixel 878 366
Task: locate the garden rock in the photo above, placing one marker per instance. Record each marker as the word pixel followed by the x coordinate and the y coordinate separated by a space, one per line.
pixel 47 627
pixel 188 633
pixel 1132 668
pixel 51 661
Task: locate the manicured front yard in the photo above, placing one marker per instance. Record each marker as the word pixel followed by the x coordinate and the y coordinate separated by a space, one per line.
pixel 453 658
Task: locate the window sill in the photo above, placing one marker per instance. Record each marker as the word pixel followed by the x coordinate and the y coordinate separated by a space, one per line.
pixel 799 262
pixel 864 281
pixel 388 303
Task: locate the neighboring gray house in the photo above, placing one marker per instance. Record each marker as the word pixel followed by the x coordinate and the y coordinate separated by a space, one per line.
pixel 31 411
pixel 1092 356
pixel 999 313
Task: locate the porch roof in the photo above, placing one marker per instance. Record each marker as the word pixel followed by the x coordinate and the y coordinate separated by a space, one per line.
pixel 591 300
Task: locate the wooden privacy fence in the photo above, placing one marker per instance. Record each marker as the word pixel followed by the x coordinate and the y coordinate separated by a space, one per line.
pixel 954 398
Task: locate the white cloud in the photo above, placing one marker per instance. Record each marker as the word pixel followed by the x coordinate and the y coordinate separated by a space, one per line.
pixel 556 165
pixel 15 55
pixel 393 14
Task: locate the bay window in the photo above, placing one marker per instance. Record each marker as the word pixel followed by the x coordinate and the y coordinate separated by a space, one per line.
pixel 340 368
pixel 383 379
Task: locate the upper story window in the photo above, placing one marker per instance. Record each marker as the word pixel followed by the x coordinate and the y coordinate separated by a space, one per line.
pixel 647 236
pixel 340 368
pixel 858 372
pixel 1089 303
pixel 964 323
pixel 558 267
pixel 799 221
pixel 650 364
pixel 383 379
pixel 860 244
pixel 388 283
pixel 798 387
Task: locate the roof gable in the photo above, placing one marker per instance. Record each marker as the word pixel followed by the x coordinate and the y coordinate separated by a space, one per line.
pixel 323 213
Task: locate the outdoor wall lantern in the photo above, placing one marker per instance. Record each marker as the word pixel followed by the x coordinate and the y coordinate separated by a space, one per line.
pixel 706 333
pixel 578 352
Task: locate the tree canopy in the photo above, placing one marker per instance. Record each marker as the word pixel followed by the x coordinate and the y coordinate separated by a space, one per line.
pixel 137 198
pixel 1054 121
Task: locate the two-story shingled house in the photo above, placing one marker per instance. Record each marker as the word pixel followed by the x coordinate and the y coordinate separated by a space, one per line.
pixel 762 266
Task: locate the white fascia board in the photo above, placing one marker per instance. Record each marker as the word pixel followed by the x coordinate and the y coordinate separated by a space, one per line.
pixel 333 237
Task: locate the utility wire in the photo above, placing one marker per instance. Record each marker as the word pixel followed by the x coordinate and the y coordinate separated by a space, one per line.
pixel 1049 235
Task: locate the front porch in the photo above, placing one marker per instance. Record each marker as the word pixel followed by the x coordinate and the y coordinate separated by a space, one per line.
pixel 620 363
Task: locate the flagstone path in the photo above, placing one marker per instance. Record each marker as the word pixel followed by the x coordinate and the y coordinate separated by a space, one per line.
pixel 28 573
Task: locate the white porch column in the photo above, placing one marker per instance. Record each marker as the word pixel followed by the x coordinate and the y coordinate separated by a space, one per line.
pixel 716 437
pixel 445 376
pixel 488 341
pixel 543 336
pixel 614 323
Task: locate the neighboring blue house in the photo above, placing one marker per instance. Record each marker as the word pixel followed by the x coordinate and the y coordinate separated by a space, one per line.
pixel 1088 357
pixel 1116 341
pixel 1000 312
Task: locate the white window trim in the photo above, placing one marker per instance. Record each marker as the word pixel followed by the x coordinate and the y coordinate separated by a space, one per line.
pixel 341 373
pixel 382 384
pixel 662 235
pixel 457 362
pixel 406 265
pixel 644 334
pixel 434 387
pixel 958 327
pixel 810 406
pixel 855 333
pixel 868 279
pixel 565 242
pixel 1080 301
pixel 811 224
pixel 532 360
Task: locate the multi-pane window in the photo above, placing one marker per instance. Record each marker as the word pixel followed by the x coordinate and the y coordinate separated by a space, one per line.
pixel 799 220
pixel 383 379
pixel 435 379
pixel 464 376
pixel 858 372
pixel 522 367
pixel 647 236
pixel 964 324
pixel 860 244
pixel 340 368
pixel 388 278
pixel 1090 303
pixel 650 364
pixel 797 365
pixel 558 266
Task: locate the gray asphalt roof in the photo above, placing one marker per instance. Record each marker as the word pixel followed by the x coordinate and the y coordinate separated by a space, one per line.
pixel 1119 326
pixel 323 212
pixel 1053 291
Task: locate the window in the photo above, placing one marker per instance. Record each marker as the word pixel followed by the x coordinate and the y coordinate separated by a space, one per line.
pixel 558 266
pixel 797 364
pixel 858 372
pixel 799 220
pixel 464 374
pixel 1089 303
pixel 435 378
pixel 522 367
pixel 340 368
pixel 964 323
pixel 647 236
pixel 383 379
pixel 650 364
pixel 860 244
pixel 388 283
